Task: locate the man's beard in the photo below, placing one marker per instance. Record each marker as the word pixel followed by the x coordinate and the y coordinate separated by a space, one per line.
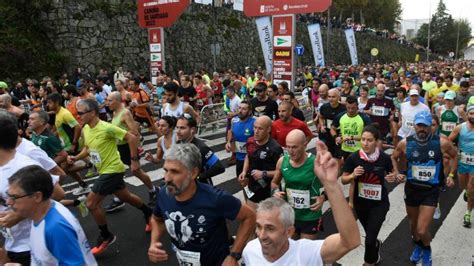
pixel 177 190
pixel 471 120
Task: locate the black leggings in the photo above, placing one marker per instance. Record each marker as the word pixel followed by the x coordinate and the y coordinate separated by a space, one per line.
pixel 372 220
pixel 22 258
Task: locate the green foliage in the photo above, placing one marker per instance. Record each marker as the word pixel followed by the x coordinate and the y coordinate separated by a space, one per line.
pixel 380 14
pixel 444 32
pixel 25 49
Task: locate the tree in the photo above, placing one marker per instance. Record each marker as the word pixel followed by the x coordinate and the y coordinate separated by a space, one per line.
pixel 380 14
pixel 444 32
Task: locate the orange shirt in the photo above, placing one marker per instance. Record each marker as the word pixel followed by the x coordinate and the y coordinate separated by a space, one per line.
pixel 71 106
pixel 140 97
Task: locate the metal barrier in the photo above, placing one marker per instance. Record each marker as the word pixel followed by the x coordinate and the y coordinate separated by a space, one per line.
pixel 212 117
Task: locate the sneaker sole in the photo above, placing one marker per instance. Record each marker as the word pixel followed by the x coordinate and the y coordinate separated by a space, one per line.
pixel 110 243
pixel 115 208
pixel 81 193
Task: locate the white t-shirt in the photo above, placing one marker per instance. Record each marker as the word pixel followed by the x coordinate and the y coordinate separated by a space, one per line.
pixel 35 153
pixel 302 252
pixel 59 239
pixel 408 113
pixel 17 238
pixel 234 104
pixel 29 149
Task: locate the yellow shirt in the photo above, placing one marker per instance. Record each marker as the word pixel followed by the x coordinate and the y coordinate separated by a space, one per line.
pixel 454 87
pixel 65 123
pixel 102 144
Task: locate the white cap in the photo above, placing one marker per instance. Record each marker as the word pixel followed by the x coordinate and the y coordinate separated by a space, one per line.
pixel 414 92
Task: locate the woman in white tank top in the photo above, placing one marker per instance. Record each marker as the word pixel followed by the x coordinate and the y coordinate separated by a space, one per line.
pixel 166 127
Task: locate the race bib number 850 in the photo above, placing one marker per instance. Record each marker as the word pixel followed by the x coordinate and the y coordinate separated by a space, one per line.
pixel 423 173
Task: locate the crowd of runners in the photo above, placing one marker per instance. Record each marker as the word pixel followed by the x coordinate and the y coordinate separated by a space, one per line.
pixel 370 125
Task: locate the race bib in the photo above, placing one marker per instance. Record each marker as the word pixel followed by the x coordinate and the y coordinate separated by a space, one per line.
pixel 370 191
pixel 240 147
pixel 466 158
pixel 448 126
pixel 350 143
pixel 95 157
pixel 379 111
pixel 328 123
pixel 248 192
pixel 408 123
pixel 298 199
pixel 423 172
pixel 188 258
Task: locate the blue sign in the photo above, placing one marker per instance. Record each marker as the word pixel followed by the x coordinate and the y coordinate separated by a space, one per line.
pixel 299 49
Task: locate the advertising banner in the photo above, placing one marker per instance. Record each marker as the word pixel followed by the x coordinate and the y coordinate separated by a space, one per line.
pixel 351 43
pixel 316 43
pixel 264 28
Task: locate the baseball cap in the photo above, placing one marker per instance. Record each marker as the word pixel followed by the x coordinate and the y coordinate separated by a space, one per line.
pixel 441 94
pixel 370 79
pixel 449 95
pixel 470 107
pixel 414 92
pixel 424 118
pixel 3 85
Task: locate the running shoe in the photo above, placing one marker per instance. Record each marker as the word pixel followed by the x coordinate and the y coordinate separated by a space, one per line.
pixel 82 206
pixel 91 172
pixel 141 151
pixel 103 244
pixel 81 190
pixel 437 213
pixel 416 255
pixel 467 220
pixel 114 205
pixel 426 260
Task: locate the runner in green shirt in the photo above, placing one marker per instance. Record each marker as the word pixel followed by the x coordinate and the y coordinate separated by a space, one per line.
pixel 301 187
pixel 100 143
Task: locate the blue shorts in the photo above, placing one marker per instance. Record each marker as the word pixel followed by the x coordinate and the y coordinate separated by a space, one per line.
pixel 465 168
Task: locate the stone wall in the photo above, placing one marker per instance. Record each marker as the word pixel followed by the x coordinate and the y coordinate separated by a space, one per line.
pixel 105 34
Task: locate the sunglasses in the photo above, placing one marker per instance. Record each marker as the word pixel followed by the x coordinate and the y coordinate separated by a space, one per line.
pixel 83 113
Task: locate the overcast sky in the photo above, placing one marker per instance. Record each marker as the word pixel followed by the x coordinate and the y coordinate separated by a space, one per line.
pixel 421 9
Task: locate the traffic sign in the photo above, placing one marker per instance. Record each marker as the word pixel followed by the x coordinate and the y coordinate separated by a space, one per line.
pixel 256 8
pixel 299 49
pixel 163 13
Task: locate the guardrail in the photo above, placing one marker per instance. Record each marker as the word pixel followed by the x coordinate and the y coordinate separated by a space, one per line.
pixel 214 117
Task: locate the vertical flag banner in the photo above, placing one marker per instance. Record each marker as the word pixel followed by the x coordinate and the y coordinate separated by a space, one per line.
pixel 351 43
pixel 264 28
pixel 316 43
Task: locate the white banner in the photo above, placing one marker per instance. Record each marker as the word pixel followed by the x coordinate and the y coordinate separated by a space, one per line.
pixel 351 43
pixel 239 5
pixel 205 2
pixel 265 32
pixel 316 43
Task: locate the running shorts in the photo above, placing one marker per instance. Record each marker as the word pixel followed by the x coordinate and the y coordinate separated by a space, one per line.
pixel 417 195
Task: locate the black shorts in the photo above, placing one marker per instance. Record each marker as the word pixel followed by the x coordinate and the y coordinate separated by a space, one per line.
pixel 124 151
pixel 239 166
pixel 23 258
pixel 309 227
pixel 107 184
pixel 342 154
pixel 260 195
pixel 417 195
pixel 329 141
pixel 149 121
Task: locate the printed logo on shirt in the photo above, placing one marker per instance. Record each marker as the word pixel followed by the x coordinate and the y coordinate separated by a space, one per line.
pixel 431 154
pixel 208 155
pixel 178 227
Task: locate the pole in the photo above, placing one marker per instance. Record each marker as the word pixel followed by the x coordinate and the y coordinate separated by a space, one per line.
pixel 429 36
pixel 328 33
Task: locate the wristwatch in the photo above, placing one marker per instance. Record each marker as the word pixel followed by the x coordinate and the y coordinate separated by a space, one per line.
pixel 135 158
pixel 237 256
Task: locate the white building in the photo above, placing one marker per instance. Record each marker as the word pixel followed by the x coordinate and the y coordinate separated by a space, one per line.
pixel 469 52
pixel 410 27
